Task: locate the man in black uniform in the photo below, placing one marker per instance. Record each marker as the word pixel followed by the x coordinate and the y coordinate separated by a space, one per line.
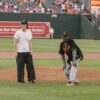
pixel 23 49
pixel 69 48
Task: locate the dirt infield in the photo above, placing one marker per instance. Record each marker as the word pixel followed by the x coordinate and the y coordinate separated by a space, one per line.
pixel 49 73
pixel 49 55
pixel 52 74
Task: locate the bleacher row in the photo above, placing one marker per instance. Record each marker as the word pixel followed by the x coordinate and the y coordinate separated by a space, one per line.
pixel 44 6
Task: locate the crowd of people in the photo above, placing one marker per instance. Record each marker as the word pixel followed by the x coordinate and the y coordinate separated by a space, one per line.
pixel 39 6
pixel 71 6
pixel 20 6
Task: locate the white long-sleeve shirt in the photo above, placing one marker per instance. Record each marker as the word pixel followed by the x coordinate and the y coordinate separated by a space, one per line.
pixel 23 39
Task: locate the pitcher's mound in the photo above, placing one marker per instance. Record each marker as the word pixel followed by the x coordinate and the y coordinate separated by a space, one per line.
pixel 52 74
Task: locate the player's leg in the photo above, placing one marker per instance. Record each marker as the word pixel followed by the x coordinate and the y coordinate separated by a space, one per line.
pixel 30 68
pixel 76 81
pixel 20 67
pixel 66 69
pixel 52 35
pixel 73 74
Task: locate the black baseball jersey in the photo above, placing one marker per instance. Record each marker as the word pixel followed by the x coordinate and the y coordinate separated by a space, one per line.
pixel 69 47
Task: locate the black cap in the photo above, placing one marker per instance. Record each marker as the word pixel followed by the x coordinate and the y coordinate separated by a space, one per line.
pixel 65 35
pixel 24 22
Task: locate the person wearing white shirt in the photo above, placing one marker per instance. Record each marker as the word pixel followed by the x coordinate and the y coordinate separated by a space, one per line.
pixel 51 31
pixel 23 49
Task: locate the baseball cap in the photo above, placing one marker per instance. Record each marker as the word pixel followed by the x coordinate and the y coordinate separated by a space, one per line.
pixel 24 21
pixel 65 35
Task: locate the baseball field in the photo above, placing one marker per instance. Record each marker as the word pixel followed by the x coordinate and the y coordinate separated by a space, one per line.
pixel 51 81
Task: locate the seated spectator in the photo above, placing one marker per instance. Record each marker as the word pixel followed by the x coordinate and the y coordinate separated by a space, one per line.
pixel 1 3
pixel 48 10
pixel 41 8
pixel 16 10
pixel 32 1
pixel 53 11
pixel 63 7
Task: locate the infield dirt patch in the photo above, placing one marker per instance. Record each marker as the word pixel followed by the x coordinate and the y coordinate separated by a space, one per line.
pixel 51 73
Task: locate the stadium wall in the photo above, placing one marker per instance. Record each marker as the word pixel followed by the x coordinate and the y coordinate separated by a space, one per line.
pixel 88 29
pixel 78 26
pixel 60 22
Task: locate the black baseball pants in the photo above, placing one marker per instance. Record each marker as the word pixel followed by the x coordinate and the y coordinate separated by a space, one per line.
pixel 25 59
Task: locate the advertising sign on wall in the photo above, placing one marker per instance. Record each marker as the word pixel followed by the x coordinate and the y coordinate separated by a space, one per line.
pixel 39 29
pixel 95 3
pixel 95 7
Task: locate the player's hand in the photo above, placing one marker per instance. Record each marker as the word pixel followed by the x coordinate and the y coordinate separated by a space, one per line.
pixel 75 64
pixel 15 54
pixel 30 52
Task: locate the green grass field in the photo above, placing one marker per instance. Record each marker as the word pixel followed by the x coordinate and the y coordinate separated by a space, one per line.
pixel 43 90
pixel 47 45
pixel 49 91
pixel 10 63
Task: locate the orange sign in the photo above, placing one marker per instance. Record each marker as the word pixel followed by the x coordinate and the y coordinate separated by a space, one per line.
pixel 95 3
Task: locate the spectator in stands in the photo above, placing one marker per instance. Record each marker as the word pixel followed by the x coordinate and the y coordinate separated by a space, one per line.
pixel 48 11
pixel 1 3
pixel 32 1
pixel 63 7
pixel 41 8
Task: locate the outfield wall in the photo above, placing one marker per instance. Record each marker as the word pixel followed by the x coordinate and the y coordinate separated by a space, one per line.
pixel 77 26
pixel 69 23
pixel 88 29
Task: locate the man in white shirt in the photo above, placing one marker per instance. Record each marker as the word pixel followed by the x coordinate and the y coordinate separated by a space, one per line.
pixel 23 47
pixel 51 31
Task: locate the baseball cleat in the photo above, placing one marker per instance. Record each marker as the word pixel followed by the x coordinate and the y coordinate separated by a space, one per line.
pixel 70 84
pixel 77 82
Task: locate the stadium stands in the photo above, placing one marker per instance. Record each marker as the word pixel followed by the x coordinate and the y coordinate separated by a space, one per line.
pixel 46 7
pixel 42 6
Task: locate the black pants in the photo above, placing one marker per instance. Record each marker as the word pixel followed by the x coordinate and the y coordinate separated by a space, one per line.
pixel 25 59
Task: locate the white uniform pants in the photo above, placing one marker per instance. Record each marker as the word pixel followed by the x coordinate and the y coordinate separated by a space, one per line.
pixel 73 72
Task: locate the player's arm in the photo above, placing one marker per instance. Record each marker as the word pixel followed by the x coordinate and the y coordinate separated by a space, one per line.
pixel 76 50
pixel 63 59
pixel 30 45
pixel 74 53
pixel 80 54
pixel 72 43
pixel 16 40
pixel 75 61
pixel 15 45
pixel 30 42
pixel 61 52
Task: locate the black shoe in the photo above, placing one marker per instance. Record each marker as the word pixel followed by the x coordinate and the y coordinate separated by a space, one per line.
pixel 32 82
pixel 21 81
